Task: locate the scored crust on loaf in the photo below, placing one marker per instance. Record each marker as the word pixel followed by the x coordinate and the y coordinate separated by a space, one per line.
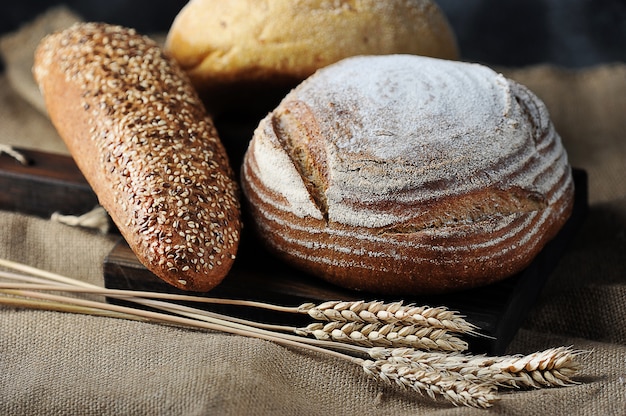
pixel 237 41
pixel 139 133
pixel 406 174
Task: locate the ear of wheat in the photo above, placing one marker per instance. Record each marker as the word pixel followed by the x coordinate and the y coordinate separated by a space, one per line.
pixel 433 382
pixel 553 367
pixel 416 348
pixel 389 313
pixel 385 335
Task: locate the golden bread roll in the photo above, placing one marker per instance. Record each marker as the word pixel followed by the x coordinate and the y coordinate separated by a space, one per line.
pixel 404 175
pixel 139 133
pixel 243 43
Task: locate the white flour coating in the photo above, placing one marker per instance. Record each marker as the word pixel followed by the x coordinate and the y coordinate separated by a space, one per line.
pixel 411 129
pixel 502 225
pixel 403 105
pixel 275 169
pixel 401 140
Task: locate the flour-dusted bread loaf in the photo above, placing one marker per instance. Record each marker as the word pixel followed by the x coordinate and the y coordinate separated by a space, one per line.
pixel 242 51
pixel 407 175
pixel 139 133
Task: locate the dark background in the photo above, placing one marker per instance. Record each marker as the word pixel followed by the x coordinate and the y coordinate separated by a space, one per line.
pixel 568 33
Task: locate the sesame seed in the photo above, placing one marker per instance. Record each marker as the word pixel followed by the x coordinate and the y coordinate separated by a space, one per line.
pixel 152 129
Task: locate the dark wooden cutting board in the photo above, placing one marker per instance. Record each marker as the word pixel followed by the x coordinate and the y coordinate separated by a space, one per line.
pixel 51 183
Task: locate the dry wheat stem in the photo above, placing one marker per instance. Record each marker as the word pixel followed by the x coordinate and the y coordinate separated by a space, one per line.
pixel 358 311
pixel 185 311
pixel 362 334
pixel 191 313
pixel 424 381
pixel 44 274
pixel 128 295
pixel 380 322
pixel 543 369
pixel 135 293
pixel 33 271
pixel 63 307
pixel 183 321
pixel 430 383
pixel 67 284
pixel 73 285
pixel 385 335
pixel 390 313
pixel 462 379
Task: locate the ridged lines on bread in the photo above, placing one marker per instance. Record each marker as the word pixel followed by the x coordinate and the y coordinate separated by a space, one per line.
pixel 270 211
pixel 557 185
pixel 445 199
pixel 272 207
pixel 522 161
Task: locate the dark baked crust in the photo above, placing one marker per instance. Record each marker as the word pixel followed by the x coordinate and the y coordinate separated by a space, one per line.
pixel 449 222
pixel 141 137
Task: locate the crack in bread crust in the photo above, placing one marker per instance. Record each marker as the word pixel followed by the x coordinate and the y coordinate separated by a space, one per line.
pixel 421 194
pixel 464 210
pixel 298 133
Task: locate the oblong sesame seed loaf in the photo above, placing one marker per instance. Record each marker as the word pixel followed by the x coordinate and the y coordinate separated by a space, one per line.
pixel 139 133
pixel 407 175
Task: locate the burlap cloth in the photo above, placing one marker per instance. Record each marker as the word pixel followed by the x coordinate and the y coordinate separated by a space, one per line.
pixel 53 363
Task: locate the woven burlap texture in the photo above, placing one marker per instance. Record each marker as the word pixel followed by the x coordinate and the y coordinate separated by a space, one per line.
pixel 56 364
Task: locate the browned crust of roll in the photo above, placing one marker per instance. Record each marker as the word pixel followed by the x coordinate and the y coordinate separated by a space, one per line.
pixel 139 133
pixel 245 55
pixel 421 261
pixel 435 232
pixel 283 41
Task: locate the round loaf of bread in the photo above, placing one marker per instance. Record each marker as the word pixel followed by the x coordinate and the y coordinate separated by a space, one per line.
pixel 140 135
pixel 243 42
pixel 403 174
pixel 224 41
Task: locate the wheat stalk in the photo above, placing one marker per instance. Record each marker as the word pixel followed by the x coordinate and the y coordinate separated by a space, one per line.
pixel 385 335
pixel 18 302
pixel 553 367
pixel 419 380
pixel 549 368
pixel 461 379
pixel 362 334
pixel 359 323
pixel 433 382
pixel 60 303
pixel 390 313
pixel 429 381
pixel 423 381
pixel 374 312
